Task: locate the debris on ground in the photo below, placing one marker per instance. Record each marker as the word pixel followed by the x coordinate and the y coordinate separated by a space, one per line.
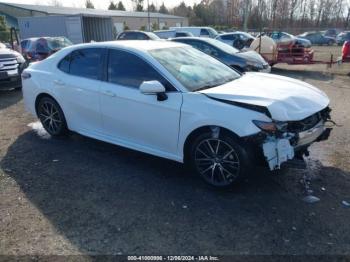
pixel 345 203
pixel 310 199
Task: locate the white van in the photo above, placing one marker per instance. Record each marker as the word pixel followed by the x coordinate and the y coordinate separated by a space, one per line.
pixel 166 34
pixel 200 31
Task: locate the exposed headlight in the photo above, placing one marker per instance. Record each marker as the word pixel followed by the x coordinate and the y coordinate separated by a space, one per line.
pixel 20 59
pixel 271 127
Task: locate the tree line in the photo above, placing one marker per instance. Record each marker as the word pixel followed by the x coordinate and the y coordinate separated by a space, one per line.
pixel 289 15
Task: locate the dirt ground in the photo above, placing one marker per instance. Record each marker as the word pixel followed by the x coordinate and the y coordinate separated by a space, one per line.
pixel 81 196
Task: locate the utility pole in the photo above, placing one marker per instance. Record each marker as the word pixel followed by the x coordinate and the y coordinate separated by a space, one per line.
pixel 149 17
pixel 245 15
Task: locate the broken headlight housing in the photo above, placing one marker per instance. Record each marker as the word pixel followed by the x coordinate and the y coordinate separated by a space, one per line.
pixel 271 127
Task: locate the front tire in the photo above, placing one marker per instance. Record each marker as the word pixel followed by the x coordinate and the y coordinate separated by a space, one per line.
pixel 221 161
pixel 51 117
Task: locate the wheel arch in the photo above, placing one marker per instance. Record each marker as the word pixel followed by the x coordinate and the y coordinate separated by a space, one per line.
pixel 200 130
pixel 42 95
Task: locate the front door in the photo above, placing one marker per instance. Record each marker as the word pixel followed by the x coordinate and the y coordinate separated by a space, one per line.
pixel 135 119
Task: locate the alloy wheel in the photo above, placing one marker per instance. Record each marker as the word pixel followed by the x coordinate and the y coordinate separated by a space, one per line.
pixel 217 161
pixel 50 117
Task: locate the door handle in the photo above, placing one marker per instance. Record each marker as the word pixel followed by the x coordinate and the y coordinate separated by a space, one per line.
pixel 109 93
pixel 59 82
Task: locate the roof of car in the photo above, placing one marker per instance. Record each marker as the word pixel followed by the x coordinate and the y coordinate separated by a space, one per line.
pixel 235 33
pixel 143 45
pixel 43 37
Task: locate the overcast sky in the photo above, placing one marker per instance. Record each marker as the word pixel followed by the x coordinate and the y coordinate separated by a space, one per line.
pixel 100 4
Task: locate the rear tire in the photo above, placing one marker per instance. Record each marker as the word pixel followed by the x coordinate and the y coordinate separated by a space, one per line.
pixel 51 117
pixel 221 162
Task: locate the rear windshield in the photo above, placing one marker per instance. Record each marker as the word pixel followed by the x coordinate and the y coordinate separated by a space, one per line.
pixel 58 43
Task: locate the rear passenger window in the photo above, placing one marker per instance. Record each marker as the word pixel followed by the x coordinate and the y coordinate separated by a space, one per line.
pixel 126 69
pixel 122 36
pixel 227 37
pixel 64 64
pixel 204 32
pixel 86 63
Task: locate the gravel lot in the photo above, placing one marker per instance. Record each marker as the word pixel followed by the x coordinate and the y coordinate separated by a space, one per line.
pixel 81 196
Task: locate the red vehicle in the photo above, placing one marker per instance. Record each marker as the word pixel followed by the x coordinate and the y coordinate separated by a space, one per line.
pixel 346 52
pixel 37 49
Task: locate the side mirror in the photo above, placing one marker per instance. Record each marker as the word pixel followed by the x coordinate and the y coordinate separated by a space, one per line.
pixel 153 88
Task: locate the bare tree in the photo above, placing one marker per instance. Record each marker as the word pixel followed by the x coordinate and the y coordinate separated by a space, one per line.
pixel 55 3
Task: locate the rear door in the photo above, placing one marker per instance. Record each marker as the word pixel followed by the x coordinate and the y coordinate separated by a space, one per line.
pixel 78 84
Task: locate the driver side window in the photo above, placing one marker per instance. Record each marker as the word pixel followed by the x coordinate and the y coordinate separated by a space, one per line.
pixel 129 70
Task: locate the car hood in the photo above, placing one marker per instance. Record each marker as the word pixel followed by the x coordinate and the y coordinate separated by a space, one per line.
pixel 8 53
pixel 303 41
pixel 251 56
pixel 285 98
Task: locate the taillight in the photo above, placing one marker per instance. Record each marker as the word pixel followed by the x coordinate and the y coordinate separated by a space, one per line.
pixel 26 75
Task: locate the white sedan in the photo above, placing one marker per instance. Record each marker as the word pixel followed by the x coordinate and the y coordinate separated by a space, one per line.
pixel 173 101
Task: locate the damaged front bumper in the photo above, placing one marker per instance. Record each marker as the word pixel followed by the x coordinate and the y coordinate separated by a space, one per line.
pixel 278 150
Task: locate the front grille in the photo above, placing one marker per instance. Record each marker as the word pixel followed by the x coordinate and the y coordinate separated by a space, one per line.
pixel 309 122
pixel 8 64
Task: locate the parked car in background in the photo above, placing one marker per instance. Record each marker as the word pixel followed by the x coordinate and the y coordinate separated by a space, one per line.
pixel 237 39
pixel 12 64
pixel 199 31
pixel 346 52
pixel 166 34
pixel 317 38
pixel 37 49
pixel 173 101
pixel 241 61
pixel 5 45
pixel 333 32
pixel 283 37
pixel 137 35
pixel 342 37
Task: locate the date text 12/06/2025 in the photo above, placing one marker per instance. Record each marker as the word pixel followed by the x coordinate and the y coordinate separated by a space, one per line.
pixel 173 258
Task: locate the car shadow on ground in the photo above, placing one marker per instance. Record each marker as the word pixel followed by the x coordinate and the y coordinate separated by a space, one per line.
pixel 9 97
pixel 303 74
pixel 108 200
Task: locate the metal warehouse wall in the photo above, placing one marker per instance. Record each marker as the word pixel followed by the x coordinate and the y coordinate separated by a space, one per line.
pixel 18 12
pixel 97 29
pixel 42 26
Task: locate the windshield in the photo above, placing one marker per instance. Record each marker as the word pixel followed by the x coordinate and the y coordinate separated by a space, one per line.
pixel 153 36
pixel 212 32
pixel 58 43
pixel 222 46
pixel 194 69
